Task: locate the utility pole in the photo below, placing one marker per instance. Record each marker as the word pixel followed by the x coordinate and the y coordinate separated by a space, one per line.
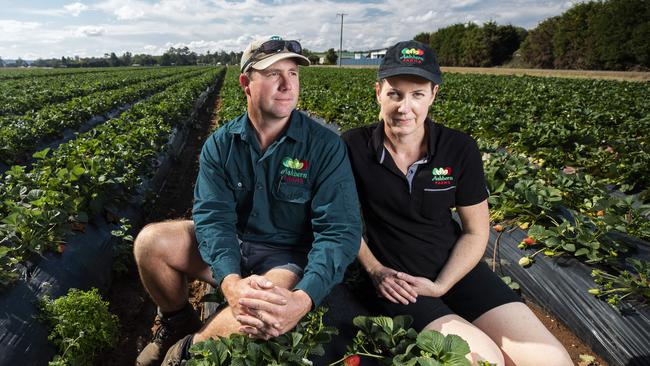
pixel 341 41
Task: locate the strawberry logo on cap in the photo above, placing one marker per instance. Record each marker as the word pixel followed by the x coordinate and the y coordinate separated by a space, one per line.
pixel 412 55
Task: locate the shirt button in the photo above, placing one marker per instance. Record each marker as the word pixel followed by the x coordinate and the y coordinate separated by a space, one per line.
pixel 239 184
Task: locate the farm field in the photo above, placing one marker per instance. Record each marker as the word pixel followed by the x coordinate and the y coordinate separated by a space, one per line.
pixel 65 186
pixel 567 160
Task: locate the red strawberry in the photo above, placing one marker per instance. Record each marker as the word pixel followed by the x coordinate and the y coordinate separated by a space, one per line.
pixel 61 248
pixel 529 240
pixel 600 213
pixel 353 360
pixel 498 228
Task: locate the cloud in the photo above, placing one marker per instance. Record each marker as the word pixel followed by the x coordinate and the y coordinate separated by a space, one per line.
pixel 75 9
pixel 421 18
pixel 152 26
pixel 90 31
pixel 8 27
pixel 127 12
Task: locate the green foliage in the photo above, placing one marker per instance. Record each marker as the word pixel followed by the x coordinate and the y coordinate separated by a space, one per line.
pixel 331 57
pixel 80 326
pixel 92 174
pixel 393 342
pixel 473 45
pixel 422 37
pixel 20 134
pixel 124 249
pixel 292 348
pixel 607 35
pixel 616 286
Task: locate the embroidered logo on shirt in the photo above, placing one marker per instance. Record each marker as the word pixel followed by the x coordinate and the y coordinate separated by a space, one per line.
pixel 442 175
pixel 412 55
pixel 294 171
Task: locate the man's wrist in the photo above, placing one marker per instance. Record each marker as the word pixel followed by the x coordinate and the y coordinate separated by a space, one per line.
pixel 303 299
pixel 227 283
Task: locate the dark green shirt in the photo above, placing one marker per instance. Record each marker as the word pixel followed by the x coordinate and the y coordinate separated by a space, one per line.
pixel 298 192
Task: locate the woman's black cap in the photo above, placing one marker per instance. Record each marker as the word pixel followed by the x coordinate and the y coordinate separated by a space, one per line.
pixel 410 58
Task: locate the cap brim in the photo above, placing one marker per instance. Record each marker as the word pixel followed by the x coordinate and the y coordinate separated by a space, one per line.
pixel 434 78
pixel 263 64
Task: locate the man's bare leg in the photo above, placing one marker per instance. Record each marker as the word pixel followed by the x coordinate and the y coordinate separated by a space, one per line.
pixel 166 253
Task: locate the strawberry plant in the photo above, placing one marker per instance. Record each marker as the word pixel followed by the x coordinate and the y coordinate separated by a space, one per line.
pixel 634 283
pixel 81 327
pixel 392 342
pixel 292 348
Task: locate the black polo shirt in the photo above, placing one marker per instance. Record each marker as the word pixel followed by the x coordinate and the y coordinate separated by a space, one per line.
pixel 408 225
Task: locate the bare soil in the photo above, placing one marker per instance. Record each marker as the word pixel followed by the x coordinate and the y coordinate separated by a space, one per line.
pixel 130 302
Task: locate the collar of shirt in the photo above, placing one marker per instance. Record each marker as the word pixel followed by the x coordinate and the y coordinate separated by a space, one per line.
pixel 376 142
pixel 294 131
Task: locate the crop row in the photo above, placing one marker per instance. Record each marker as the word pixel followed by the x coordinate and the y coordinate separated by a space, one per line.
pixel 10 74
pixel 90 175
pixel 21 95
pixel 20 135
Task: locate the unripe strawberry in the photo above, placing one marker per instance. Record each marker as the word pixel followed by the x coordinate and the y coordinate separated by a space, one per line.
pixel 61 248
pixel 524 225
pixel 600 213
pixel 498 228
pixel 594 291
pixel 353 360
pixel 525 261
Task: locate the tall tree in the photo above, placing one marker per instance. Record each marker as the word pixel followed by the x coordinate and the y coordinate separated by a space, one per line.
pixel 331 57
pixel 423 37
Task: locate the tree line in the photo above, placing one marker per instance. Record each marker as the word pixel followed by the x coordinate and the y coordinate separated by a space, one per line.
pixel 172 57
pixel 598 35
pixel 608 35
pixel 473 45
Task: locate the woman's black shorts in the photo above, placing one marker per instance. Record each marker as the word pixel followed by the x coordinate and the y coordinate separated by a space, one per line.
pixel 479 291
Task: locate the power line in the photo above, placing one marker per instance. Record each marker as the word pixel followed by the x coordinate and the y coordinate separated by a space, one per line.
pixel 341 41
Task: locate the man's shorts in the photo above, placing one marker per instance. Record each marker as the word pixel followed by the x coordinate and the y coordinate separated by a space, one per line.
pixel 258 258
pixel 479 291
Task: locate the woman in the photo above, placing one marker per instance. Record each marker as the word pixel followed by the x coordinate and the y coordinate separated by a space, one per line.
pixel 410 172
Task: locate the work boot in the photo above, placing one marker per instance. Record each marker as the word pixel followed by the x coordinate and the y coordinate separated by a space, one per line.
pixel 167 331
pixel 178 353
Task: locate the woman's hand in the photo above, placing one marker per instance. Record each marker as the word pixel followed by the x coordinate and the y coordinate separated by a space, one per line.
pixel 391 287
pixel 422 285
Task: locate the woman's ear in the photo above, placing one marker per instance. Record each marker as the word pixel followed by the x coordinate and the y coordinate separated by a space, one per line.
pixel 435 92
pixel 377 90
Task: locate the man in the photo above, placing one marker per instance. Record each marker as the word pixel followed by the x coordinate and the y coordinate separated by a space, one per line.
pixel 276 218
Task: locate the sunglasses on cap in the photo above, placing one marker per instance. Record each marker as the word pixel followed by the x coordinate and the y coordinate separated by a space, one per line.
pixel 274 46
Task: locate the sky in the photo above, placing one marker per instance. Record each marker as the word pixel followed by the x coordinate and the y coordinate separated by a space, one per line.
pixel 51 29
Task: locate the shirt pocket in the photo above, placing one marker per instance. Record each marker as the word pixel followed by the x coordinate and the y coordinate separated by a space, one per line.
pixel 437 202
pixel 242 188
pixel 292 207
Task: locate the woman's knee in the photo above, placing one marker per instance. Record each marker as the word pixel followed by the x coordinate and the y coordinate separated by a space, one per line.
pixel 481 346
pixel 522 337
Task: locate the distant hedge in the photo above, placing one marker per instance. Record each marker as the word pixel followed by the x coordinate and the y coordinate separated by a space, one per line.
pixel 602 35
pixel 474 45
